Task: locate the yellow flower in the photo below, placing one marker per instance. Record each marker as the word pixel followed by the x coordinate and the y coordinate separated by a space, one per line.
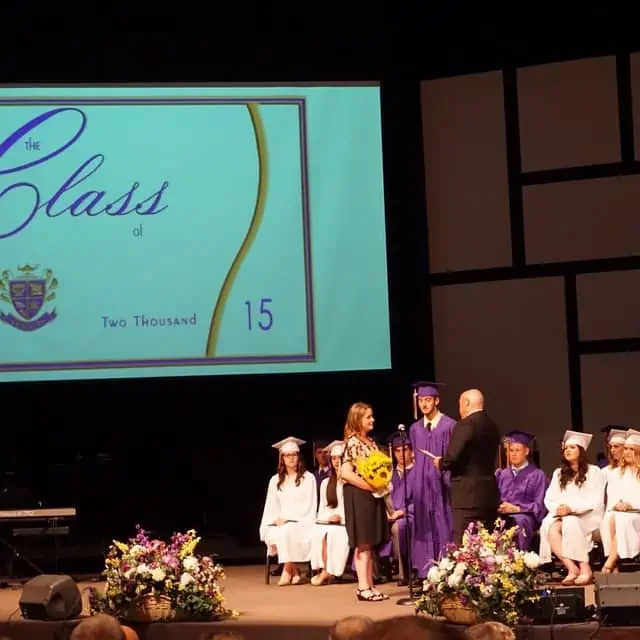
pixel 121 546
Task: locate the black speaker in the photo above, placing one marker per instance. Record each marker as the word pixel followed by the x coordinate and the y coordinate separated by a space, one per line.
pixel 48 597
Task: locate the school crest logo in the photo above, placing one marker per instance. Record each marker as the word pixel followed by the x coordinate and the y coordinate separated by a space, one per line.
pixel 28 292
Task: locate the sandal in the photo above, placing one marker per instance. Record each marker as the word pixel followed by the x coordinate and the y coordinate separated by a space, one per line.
pixel 569 580
pixel 384 596
pixel 372 597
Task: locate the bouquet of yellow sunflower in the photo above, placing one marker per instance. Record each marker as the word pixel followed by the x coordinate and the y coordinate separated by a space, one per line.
pixel 376 470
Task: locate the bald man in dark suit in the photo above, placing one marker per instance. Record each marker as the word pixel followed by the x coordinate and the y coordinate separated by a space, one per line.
pixel 471 459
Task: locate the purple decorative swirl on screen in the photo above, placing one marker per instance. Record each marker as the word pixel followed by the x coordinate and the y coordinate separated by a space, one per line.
pixel 91 202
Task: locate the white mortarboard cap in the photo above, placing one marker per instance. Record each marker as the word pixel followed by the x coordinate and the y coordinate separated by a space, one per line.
pixel 633 438
pixel 617 436
pixel 289 445
pixel 336 448
pixel 577 437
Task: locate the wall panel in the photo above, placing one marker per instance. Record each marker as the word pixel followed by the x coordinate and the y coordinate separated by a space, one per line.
pixel 466 172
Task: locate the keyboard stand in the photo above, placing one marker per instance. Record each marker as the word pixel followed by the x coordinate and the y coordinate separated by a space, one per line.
pixel 16 555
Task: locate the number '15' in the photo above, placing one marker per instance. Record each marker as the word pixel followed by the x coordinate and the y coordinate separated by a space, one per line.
pixel 265 320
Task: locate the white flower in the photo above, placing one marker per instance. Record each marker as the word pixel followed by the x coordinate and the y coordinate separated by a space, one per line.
pixel 461 567
pixel 186 578
pixel 129 573
pixel 158 574
pixel 190 563
pixel 500 560
pixel 446 564
pixel 434 574
pixel 454 579
pixel 531 559
pixel 486 590
pixel 137 550
pixel 142 568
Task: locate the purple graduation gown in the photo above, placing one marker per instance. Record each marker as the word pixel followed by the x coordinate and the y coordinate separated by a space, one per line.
pixel 526 490
pixel 431 499
pixel 320 475
pixel 397 499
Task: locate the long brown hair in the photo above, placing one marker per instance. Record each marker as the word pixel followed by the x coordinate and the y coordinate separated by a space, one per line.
pixel 282 471
pixel 353 426
pixel 567 474
pixel 613 463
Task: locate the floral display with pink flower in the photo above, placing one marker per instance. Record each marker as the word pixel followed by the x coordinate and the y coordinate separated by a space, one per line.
pixel 487 573
pixel 145 567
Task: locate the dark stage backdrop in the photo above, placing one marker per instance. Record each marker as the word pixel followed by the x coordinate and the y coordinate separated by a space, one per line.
pixel 533 183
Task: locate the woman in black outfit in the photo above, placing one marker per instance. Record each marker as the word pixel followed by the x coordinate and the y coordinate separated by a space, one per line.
pixel 365 515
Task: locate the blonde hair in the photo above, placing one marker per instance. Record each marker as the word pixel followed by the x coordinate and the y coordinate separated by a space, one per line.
pixel 349 627
pixel 98 627
pixel 490 631
pixel 635 465
pixel 353 425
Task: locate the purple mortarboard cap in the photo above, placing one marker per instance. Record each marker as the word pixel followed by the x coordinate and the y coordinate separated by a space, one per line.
pixel 520 437
pixel 427 389
pixel 397 439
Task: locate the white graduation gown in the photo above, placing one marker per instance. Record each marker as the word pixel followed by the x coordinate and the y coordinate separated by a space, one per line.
pixel 293 539
pixel 336 535
pixel 588 503
pixel 623 487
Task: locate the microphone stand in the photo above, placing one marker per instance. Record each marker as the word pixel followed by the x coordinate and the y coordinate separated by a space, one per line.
pixel 411 600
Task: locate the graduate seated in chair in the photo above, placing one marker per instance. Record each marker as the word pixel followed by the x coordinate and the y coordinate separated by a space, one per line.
pixel 603 459
pixel 289 511
pixel 575 505
pixel 398 519
pixel 522 487
pixel 620 528
pixel 330 542
pixel 615 445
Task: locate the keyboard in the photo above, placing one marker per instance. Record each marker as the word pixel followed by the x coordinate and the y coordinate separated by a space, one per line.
pixel 34 515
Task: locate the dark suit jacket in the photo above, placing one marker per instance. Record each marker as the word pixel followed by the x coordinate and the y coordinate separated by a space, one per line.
pixel 471 459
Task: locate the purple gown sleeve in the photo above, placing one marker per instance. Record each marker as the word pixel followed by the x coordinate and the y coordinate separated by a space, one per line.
pixel 536 507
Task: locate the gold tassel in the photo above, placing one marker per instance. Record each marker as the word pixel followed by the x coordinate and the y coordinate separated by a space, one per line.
pixel 415 404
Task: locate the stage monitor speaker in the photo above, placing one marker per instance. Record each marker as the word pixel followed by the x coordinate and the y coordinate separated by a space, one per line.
pixel 50 597
pixel 618 598
pixel 557 606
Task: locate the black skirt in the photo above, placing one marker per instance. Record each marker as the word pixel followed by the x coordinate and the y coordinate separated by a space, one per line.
pixel 365 517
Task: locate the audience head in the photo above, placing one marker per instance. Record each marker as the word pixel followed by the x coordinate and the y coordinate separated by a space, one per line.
pixel 411 628
pixel 471 401
pixel 490 631
pixel 98 627
pixel 349 627
pixel 220 636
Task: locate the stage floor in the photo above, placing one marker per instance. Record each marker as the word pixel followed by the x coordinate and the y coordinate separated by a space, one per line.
pixel 288 610
pixel 246 592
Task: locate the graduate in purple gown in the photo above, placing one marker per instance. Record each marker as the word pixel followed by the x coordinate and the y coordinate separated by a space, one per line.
pixel 522 486
pixel 321 462
pixel 400 518
pixel 431 499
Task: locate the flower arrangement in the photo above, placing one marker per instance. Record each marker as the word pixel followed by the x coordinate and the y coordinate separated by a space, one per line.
pixel 376 469
pixel 145 569
pixel 487 574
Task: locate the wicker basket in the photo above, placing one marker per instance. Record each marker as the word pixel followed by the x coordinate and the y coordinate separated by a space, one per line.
pixel 154 608
pixel 457 613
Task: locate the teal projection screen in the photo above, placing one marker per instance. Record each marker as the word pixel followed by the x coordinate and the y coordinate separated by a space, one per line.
pixel 183 230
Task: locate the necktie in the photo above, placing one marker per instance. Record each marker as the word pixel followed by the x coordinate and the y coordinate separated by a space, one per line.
pixel 429 426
